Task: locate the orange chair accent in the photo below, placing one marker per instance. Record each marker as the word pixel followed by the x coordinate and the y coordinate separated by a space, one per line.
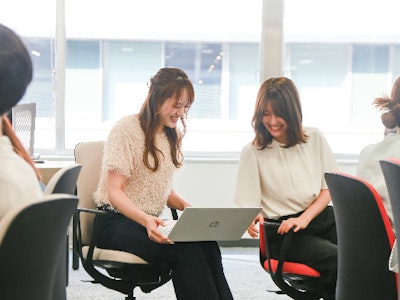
pixel 297 280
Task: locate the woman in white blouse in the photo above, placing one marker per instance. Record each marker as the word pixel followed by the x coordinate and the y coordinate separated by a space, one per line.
pixel 282 170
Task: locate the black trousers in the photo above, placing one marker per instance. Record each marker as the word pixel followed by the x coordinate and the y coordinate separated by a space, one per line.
pixel 197 271
pixel 315 246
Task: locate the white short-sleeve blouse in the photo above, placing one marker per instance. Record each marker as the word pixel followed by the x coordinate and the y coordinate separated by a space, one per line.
pixel 284 181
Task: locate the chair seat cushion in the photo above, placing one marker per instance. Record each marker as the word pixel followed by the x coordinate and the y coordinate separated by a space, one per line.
pixel 292 268
pixel 113 255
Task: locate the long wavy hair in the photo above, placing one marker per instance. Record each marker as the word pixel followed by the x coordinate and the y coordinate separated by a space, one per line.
pixel 284 97
pixel 167 83
pixel 17 145
pixel 390 106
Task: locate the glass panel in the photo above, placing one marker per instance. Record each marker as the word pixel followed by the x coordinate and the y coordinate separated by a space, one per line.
pixel 203 64
pixel 83 91
pixel 38 33
pixel 110 63
pixel 128 67
pixel 341 67
pixel 320 71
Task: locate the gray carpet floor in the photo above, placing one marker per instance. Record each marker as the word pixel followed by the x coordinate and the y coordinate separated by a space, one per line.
pixel 243 271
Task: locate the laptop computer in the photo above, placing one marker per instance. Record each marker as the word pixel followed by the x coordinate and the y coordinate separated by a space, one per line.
pixel 210 224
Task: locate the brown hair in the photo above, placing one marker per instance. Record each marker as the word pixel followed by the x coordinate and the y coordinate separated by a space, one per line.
pixel 17 145
pixel 285 102
pixel 167 83
pixel 391 106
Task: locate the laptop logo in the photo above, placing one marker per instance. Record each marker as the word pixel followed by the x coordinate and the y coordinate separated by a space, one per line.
pixel 213 224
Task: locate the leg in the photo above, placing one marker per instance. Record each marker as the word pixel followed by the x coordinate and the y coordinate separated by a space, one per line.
pixel 197 267
pixel 199 273
pixel 315 246
pixel 318 253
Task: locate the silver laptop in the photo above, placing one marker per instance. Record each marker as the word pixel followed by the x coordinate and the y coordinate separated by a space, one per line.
pixel 210 224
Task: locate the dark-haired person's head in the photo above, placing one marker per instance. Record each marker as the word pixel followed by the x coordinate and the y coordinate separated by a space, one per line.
pixel 15 69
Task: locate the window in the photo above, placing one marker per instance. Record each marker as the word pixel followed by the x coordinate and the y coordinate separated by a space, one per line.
pixel 111 53
pixel 340 66
pixel 110 63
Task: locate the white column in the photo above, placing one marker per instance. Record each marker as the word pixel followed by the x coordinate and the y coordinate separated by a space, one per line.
pixel 272 39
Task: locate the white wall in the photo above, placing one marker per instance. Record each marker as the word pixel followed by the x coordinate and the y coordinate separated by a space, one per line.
pixel 209 183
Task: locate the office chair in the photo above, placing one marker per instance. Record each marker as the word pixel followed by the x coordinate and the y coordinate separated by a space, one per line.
pixel 64 182
pixel 23 120
pixel 124 271
pixel 391 172
pixel 365 239
pixel 297 280
pixel 31 245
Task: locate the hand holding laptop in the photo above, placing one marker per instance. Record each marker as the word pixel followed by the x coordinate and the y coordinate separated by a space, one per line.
pixel 210 224
pixel 166 228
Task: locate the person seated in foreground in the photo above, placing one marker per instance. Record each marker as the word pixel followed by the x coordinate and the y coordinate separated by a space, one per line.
pixel 19 183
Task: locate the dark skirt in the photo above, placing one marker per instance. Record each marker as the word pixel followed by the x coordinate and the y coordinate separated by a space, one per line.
pixel 315 246
pixel 197 271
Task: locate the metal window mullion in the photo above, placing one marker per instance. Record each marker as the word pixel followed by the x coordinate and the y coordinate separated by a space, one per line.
pixel 59 76
pixel 272 39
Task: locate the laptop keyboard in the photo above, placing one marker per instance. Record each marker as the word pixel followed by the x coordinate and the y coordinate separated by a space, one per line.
pixel 169 224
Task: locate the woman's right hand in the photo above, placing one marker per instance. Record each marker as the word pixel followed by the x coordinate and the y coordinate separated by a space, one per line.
pixel 253 229
pixel 152 224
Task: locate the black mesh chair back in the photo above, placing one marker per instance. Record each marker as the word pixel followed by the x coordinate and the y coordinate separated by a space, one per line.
pixel 64 180
pixel 32 243
pixel 365 239
pixel 23 119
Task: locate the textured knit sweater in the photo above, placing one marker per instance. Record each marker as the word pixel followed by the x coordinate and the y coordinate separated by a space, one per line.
pixel 123 154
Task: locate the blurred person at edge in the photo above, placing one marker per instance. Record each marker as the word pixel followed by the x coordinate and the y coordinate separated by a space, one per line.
pixel 19 184
pixel 368 166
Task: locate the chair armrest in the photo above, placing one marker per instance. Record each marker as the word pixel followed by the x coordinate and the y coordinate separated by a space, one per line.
pixel 88 262
pixel 78 229
pixel 284 249
pixel 90 210
pixel 174 213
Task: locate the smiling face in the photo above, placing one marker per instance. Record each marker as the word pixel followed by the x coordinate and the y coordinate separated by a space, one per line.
pixel 275 125
pixel 172 110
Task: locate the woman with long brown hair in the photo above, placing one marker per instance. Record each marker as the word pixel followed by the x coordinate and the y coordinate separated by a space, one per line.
pixel 141 155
